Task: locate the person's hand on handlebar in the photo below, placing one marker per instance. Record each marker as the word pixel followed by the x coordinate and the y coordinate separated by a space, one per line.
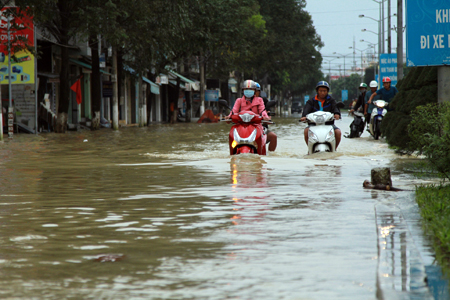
pixel 303 119
pixel 266 118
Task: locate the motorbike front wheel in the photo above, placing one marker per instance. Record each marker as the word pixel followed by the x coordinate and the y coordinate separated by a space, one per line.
pixel 245 149
pixel 377 129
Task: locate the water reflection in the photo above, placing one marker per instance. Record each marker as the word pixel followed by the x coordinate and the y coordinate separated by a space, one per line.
pixel 165 213
pixel 400 267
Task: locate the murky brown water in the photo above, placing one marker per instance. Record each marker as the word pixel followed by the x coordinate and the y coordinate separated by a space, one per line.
pixel 165 213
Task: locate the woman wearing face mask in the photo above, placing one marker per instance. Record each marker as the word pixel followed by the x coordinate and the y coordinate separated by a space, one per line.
pixel 249 101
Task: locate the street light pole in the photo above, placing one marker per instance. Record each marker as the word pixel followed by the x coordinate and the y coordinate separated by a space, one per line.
pixel 354 48
pixel 373 46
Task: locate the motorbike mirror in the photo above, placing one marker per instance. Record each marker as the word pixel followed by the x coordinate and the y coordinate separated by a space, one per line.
pixel 270 104
pixel 340 105
pixel 223 103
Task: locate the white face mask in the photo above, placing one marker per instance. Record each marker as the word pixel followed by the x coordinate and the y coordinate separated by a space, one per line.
pixel 249 93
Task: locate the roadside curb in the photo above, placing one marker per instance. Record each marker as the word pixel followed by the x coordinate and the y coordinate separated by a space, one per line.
pixel 401 271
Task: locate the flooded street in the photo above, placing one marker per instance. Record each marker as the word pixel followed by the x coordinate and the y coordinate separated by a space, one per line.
pixel 164 212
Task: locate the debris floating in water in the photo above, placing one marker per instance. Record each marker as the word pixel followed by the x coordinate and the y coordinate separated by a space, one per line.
pixel 109 257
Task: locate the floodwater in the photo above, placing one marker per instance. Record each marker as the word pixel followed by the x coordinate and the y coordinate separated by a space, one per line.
pixel 164 212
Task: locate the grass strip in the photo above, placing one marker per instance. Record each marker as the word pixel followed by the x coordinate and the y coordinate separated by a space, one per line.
pixel 434 204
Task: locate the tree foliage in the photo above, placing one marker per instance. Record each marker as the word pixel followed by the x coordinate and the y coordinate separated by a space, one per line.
pixel 350 83
pixel 416 89
pixel 272 41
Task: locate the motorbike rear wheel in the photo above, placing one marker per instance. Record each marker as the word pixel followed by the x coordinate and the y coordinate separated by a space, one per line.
pixel 353 131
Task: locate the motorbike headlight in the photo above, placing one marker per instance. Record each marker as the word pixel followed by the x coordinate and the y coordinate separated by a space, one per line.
pixel 312 136
pixel 319 119
pixel 246 118
pixel 330 135
pixel 380 104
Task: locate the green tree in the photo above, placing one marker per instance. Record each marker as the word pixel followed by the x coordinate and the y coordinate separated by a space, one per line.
pixel 291 59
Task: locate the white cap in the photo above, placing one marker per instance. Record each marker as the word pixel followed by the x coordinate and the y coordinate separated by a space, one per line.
pixel 373 83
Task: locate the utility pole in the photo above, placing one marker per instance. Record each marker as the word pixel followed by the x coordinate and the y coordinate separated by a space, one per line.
pixel 399 39
pixel 1 117
pixel 202 84
pixel 382 27
pixel 354 53
pixel 389 26
pixel 115 102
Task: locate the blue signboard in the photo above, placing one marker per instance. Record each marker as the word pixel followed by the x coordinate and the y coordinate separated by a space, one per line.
pixel 211 95
pixel 344 94
pixel 388 67
pixel 427 33
pixel 306 98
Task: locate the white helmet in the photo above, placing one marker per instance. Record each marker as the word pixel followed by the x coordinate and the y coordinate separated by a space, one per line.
pixel 373 83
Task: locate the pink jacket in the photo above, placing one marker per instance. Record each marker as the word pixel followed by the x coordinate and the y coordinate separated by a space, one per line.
pixel 257 106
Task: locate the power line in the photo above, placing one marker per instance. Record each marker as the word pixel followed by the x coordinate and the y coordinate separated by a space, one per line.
pixel 340 11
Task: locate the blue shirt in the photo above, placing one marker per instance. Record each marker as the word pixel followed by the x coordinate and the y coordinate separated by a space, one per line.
pixel 371 105
pixel 387 95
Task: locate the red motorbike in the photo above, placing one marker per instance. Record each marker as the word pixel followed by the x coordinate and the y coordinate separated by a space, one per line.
pixel 247 134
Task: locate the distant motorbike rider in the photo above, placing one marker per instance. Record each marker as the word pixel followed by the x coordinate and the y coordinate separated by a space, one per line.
pixel 360 102
pixel 322 102
pixel 368 107
pixel 249 101
pixel 271 136
pixel 387 92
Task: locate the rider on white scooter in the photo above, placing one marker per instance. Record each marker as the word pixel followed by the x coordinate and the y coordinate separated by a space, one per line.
pixel 322 102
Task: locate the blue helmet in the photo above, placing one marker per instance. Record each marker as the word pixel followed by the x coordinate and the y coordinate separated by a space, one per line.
pixel 323 84
pixel 258 86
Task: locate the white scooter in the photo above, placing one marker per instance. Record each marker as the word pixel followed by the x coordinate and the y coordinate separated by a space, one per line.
pixel 321 132
pixel 376 117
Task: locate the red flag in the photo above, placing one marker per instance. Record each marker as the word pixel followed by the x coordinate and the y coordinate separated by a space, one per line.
pixel 76 87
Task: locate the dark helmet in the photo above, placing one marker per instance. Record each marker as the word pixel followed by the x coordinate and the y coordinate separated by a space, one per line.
pixel 323 84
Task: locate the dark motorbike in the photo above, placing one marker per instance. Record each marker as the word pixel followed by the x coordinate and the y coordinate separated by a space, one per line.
pixel 357 126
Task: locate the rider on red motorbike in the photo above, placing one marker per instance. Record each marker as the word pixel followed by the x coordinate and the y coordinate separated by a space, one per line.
pixel 271 136
pixel 249 101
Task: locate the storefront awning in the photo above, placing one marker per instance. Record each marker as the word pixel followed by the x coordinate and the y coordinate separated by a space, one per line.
pixel 154 88
pixel 194 86
pixel 173 82
pixel 87 66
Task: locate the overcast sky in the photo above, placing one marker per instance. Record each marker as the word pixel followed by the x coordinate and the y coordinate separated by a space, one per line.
pixel 338 23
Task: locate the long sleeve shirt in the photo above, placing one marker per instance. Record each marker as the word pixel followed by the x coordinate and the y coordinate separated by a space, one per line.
pixel 256 105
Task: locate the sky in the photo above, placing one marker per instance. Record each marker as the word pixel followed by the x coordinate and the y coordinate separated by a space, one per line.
pixel 338 24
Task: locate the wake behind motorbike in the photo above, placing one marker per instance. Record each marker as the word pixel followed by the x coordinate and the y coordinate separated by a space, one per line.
pixel 376 117
pixel 247 134
pixel 321 136
pixel 357 126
